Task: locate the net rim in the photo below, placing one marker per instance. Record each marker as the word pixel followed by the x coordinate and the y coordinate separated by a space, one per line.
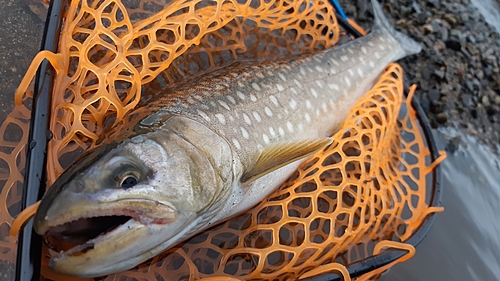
pixel 29 247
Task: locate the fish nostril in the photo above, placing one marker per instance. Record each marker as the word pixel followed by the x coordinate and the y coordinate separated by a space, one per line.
pixel 79 186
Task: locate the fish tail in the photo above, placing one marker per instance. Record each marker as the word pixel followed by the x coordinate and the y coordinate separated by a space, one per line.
pixel 407 44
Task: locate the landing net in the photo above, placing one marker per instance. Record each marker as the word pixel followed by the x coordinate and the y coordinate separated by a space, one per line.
pixel 360 195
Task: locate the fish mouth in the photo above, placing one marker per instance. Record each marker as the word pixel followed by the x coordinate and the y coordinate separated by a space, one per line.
pixel 79 236
pixel 98 230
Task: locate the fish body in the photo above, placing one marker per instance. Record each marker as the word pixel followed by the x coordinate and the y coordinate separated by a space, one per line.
pixel 208 153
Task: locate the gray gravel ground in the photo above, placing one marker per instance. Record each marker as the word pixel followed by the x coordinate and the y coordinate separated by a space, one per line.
pixel 20 36
pixel 458 71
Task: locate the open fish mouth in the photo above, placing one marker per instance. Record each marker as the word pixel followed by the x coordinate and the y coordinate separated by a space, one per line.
pixel 81 235
pixel 79 240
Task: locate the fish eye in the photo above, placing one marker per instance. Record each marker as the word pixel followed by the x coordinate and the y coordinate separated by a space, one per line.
pixel 128 181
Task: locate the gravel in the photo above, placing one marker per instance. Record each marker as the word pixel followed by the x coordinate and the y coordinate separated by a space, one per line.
pixel 458 71
pixel 21 32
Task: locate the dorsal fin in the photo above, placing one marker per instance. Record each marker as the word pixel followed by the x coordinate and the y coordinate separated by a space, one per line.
pixel 281 154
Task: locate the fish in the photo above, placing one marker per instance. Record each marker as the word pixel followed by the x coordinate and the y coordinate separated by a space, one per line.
pixel 205 153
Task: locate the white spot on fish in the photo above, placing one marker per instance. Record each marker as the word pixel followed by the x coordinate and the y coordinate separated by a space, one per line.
pixel 256 86
pixel 335 62
pixel 381 47
pixel 265 138
pixel 221 118
pixel 268 111
pixel 241 95
pixel 281 131
pixel 370 43
pixel 351 72
pixel 289 126
pixel 293 91
pixel 319 83
pixel 317 112
pixel 257 116
pixel 224 104
pixel 293 104
pixel 324 106
pixel 344 58
pixel 318 68
pixel 372 64
pixel 314 93
pixel 363 50
pixel 280 87
pixel 231 118
pixel 360 72
pixel 301 127
pixel 231 99
pixel 333 86
pixel 247 119
pixel 308 104
pixel 253 98
pixel 307 117
pixel 302 71
pixel 347 81
pixel 377 55
pixel 272 132
pixel 350 51
pixel 236 144
pixel 244 133
pixel 282 76
pixel 274 100
pixel 297 83
pixel 203 115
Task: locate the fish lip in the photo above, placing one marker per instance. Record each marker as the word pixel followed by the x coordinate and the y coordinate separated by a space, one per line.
pixel 74 261
pixel 165 213
pixel 84 247
pixel 142 217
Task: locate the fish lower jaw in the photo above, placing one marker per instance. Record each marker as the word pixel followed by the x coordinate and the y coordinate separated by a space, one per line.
pixel 82 248
pixel 79 235
pixel 105 254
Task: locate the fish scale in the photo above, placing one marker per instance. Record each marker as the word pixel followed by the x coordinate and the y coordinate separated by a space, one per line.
pixel 207 151
pixel 303 98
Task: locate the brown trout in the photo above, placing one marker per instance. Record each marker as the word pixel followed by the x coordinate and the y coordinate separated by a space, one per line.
pixel 207 153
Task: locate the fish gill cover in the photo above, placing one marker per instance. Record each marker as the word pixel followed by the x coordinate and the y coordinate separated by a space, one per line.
pixel 348 202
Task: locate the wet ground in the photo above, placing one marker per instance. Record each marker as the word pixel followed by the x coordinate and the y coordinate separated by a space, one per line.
pixel 464 243
pixel 20 37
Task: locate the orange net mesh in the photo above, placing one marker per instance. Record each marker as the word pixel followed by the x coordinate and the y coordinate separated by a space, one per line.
pixel 14 133
pixel 110 48
pixel 115 55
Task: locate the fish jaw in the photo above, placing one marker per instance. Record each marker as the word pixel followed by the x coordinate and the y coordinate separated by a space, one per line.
pixel 144 210
pixel 115 251
pixel 112 247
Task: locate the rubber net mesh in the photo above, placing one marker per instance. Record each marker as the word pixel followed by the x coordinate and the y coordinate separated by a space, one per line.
pixel 366 192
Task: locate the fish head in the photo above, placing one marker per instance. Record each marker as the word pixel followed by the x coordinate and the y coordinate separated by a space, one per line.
pixel 121 204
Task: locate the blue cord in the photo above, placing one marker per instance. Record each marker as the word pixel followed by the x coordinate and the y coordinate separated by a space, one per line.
pixel 339 9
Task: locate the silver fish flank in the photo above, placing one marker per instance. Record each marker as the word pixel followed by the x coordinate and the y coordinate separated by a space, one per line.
pixel 206 154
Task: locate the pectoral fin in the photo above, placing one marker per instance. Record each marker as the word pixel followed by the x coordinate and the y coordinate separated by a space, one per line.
pixel 281 154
